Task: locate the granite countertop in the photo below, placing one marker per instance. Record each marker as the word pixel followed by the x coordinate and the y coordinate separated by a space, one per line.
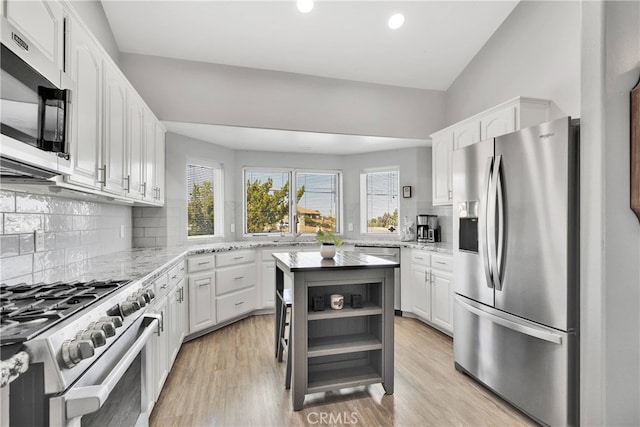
pixel 313 261
pixel 145 263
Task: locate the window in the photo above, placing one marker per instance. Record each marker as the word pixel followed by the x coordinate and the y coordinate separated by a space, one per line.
pixel 204 195
pixel 317 202
pixel 272 205
pixel 379 201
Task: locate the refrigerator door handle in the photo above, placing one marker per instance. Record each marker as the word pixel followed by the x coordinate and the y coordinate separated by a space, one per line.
pixel 492 231
pixel 500 216
pixel 515 326
pixel 482 223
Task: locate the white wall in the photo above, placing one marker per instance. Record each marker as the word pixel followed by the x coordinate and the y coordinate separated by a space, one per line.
pixel 92 14
pixel 610 250
pixel 197 92
pixel 535 53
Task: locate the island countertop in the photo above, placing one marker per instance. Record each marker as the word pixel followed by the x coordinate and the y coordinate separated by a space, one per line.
pixel 313 261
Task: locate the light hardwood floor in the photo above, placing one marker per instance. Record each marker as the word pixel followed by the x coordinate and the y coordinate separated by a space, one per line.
pixel 230 377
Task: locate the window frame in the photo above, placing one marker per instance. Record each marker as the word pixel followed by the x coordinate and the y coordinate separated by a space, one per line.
pixel 364 229
pixel 218 198
pixel 293 174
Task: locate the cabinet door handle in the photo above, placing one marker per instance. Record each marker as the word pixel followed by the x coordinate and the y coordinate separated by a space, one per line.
pixel 450 194
pixel 182 294
pixel 144 189
pixel 128 180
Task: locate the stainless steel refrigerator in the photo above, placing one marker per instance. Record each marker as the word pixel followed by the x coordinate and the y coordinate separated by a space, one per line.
pixel 516 254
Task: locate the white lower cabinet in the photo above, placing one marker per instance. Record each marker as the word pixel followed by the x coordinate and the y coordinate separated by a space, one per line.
pixel 426 287
pixel 202 309
pixel 235 304
pixel 268 283
pixel 421 303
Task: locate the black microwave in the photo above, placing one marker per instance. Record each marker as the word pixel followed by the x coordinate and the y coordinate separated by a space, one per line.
pixel 33 109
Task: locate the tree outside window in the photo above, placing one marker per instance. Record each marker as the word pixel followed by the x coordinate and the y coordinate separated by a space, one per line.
pixel 201 212
pixel 268 207
pixel 380 190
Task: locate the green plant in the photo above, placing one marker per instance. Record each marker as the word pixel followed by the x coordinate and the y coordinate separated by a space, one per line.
pixel 328 237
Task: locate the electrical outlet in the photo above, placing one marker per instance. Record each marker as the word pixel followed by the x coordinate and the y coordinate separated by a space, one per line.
pixel 121 231
pixel 350 227
pixel 39 240
pixel 233 228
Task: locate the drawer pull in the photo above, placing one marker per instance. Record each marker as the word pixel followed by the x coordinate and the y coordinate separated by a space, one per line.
pixel 440 262
pixel 174 277
pixel 238 257
pixel 204 262
pixel 420 258
pixel 238 278
pixel 203 282
pixel 239 303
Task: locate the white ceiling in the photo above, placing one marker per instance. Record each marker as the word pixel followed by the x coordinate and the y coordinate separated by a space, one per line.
pixel 241 138
pixel 337 39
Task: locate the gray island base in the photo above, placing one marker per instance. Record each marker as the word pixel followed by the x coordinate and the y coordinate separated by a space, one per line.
pixel 337 348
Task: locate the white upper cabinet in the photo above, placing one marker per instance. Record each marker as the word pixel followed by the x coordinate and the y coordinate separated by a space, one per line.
pixel 135 134
pixel 149 153
pixel 507 117
pixel 115 131
pixel 441 168
pixel 41 22
pixel 160 167
pixel 498 123
pixel 85 69
pixel 466 134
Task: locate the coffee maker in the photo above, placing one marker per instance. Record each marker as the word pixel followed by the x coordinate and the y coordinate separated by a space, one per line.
pixel 428 230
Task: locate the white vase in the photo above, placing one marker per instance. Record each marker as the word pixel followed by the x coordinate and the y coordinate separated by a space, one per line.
pixel 328 250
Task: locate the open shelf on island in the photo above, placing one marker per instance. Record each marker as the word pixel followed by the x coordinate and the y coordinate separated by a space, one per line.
pixel 340 344
pixel 368 309
pixel 342 378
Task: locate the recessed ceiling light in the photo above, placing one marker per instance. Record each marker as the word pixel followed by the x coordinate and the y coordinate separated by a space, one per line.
pixel 305 6
pixel 396 21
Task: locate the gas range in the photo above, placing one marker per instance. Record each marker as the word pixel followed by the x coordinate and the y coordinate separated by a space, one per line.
pixel 67 326
pixel 28 310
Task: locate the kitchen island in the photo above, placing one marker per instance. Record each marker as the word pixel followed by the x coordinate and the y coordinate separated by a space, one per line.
pixel 337 348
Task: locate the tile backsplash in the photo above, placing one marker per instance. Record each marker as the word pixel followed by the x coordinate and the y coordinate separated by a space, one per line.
pixel 74 230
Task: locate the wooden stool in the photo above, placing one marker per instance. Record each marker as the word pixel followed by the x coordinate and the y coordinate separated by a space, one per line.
pixel 284 342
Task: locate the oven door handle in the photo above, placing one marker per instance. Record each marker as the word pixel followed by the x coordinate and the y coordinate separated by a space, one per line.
pixel 85 400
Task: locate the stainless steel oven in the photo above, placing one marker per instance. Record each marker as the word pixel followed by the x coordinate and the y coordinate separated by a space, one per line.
pixel 87 348
pixel 113 391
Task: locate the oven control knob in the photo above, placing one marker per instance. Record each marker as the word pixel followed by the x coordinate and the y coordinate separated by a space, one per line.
pixel 139 299
pixel 74 351
pixel 144 294
pixel 151 294
pixel 129 307
pixel 97 338
pixel 114 311
pixel 116 320
pixel 108 328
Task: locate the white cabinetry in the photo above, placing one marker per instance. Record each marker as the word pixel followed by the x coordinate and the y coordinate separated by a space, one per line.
pixel 115 139
pixel 420 304
pixel 507 117
pixel 135 133
pixel 159 164
pixel 426 288
pixel 170 306
pixel 85 69
pixel 235 284
pixel 202 309
pixel 441 168
pixel 39 23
